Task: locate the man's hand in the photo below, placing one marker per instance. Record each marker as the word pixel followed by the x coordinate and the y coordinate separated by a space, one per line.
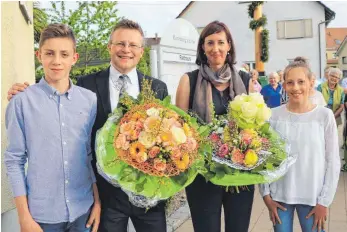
pixel 27 224
pixel 272 206
pixel 94 218
pixel 16 88
pixel 320 216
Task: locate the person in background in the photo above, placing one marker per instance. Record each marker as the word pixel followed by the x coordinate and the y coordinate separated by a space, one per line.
pixel 246 67
pixel 321 80
pixel 255 81
pixel 310 184
pixel 344 147
pixel 315 96
pixel 344 84
pixel 246 78
pixel 272 92
pixel 333 93
pixel 215 82
pixel 280 74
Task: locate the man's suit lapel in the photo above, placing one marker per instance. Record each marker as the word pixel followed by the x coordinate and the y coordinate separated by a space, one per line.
pixel 140 76
pixel 103 87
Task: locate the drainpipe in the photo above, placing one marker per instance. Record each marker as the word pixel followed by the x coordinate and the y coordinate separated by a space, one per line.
pixel 319 44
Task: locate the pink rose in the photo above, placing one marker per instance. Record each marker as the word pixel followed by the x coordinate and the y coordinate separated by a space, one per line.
pixel 223 150
pixel 214 137
pixel 122 143
pixel 154 151
pixel 159 165
pixel 237 156
pixel 176 154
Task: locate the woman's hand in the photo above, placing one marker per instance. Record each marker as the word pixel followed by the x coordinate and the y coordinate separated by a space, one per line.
pixel 272 206
pixel 320 216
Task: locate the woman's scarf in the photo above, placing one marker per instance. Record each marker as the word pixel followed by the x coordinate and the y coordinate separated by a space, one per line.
pixel 203 90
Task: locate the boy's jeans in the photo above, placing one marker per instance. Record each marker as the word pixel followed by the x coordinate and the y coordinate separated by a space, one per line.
pixel 79 225
pixel 288 216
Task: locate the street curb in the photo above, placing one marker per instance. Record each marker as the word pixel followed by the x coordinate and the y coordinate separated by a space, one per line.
pixel 175 220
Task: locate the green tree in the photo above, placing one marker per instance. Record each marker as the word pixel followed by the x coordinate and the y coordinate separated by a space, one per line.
pixel 40 21
pixel 144 64
pixel 92 23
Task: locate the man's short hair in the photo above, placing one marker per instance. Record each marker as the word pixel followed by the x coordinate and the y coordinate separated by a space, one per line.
pixel 57 30
pixel 127 24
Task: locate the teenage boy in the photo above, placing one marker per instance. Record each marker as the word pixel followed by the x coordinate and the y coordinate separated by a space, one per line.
pixel 49 126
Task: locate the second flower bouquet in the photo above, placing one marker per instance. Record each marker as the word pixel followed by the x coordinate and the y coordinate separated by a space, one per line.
pixel 245 148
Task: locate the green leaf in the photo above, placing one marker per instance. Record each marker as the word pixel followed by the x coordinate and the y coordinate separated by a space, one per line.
pixel 140 187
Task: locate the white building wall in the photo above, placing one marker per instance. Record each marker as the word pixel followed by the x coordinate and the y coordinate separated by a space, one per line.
pixel 235 16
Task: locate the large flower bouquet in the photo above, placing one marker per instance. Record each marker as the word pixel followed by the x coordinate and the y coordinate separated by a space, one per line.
pixel 150 148
pixel 245 148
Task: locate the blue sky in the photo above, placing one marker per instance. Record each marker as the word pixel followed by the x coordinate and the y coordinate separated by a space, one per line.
pixel 154 16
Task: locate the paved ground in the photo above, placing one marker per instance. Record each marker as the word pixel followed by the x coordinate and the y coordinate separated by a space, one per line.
pixel 337 217
pixel 337 221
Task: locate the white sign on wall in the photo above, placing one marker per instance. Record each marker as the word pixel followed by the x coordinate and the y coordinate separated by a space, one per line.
pixel 176 54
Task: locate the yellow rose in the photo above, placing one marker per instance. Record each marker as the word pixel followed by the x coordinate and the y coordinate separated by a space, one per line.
pixel 153 112
pixel 251 158
pixel 178 135
pixel 147 139
pixel 263 114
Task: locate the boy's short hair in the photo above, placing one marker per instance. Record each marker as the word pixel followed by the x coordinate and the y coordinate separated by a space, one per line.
pixel 127 24
pixel 57 30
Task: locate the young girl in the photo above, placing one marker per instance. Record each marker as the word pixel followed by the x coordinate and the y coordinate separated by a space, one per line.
pixel 310 184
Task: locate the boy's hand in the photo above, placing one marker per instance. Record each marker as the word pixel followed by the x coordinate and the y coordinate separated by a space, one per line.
pixel 272 206
pixel 29 225
pixel 16 88
pixel 94 218
pixel 320 215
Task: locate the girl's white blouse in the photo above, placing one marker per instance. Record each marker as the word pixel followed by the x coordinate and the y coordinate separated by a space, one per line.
pixel 313 178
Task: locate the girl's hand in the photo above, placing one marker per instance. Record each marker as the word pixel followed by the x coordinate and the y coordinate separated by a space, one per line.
pixel 272 206
pixel 320 216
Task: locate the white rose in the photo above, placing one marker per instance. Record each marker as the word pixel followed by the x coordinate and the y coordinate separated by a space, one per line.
pixel 178 135
pixel 153 112
pixel 248 110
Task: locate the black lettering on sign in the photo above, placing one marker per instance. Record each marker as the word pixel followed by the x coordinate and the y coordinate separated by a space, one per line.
pixel 185 58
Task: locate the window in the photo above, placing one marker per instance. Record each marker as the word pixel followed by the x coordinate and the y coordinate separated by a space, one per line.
pixel 294 29
pixel 334 55
pixel 344 60
pixel 344 72
pixel 251 64
pixel 337 41
pixel 200 29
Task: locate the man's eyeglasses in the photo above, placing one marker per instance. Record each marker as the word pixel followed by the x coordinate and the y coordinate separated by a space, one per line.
pixel 131 46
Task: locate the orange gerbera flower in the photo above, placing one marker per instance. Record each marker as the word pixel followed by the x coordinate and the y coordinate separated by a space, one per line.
pixel 136 148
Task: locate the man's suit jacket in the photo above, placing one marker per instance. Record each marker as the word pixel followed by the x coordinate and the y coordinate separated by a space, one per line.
pixel 99 84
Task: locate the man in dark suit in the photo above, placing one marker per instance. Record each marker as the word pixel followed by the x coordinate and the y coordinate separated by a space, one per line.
pixel 126 48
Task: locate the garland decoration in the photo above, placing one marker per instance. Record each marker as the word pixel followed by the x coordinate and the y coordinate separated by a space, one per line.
pixel 261 22
pixel 264 45
pixel 252 6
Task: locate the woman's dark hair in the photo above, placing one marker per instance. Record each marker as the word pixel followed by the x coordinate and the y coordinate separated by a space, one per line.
pixel 212 28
